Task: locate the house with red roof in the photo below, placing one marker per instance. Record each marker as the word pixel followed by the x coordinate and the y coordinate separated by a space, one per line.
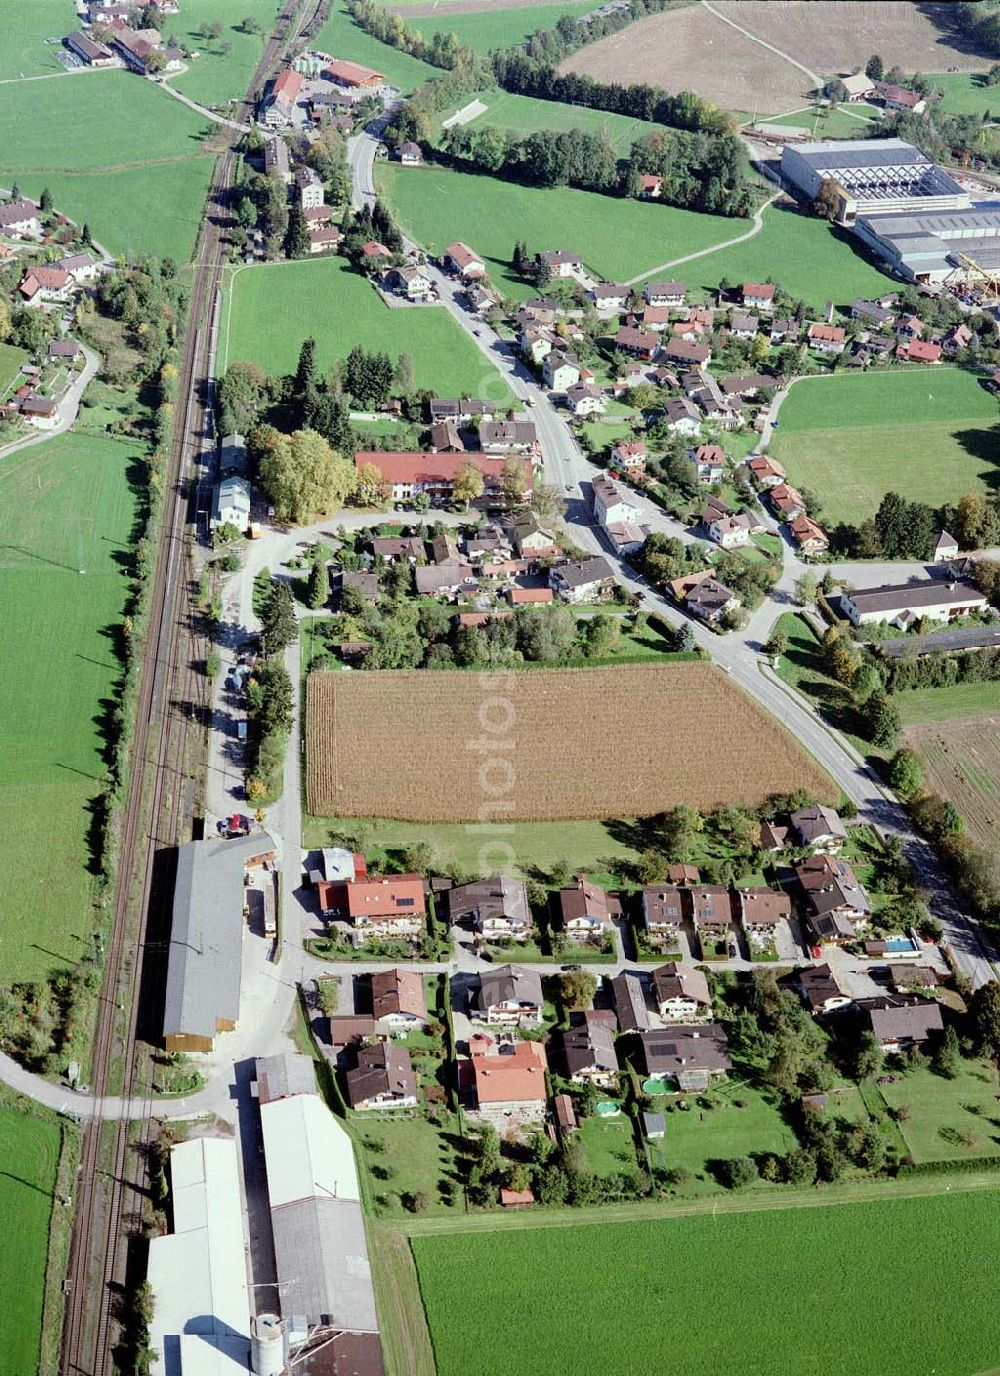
pixel 918 351
pixel 409 473
pixel 460 259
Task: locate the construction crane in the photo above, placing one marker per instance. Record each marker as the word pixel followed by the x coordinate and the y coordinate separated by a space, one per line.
pixel 985 280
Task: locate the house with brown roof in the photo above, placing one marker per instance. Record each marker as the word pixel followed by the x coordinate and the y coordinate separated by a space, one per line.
pixel 819 827
pixel 410 154
pixel 712 915
pixel 662 293
pixel 765 471
pixel 762 911
pixel 895 97
pixel 509 996
pixel 650 186
pixel 610 296
pixel 323 238
pixel 836 903
pixel 710 600
pixel 681 993
pixel 675 350
pixel 757 296
pixel 681 417
pixel 773 836
pixel 820 989
pixel 709 462
pixel 461 260
pixel 587 911
pixel 898 1021
pixel 44 284
pixel 629 457
pixel 918 351
pixel 383 1077
pixel 562 262
pixel 786 501
pixel 692 1056
pixel 496 908
pixel 398 549
pixel 398 1001
pixel 383 906
pixel 408 474
pixel 560 370
pixel 826 339
pixel 284 95
pixel 810 537
pixel 587 1054
pixel 583 580
pixel 637 343
pixel 662 913
pixel 530 540
pixel 683 875
pixel 629 998
pixel 507 1082
pixel 508 437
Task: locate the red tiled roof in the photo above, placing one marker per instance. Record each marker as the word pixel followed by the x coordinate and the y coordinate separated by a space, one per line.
pixel 389 896
pixel 411 466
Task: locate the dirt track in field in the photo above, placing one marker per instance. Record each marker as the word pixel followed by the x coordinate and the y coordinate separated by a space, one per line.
pixel 427 9
pixel 691 49
pixel 542 744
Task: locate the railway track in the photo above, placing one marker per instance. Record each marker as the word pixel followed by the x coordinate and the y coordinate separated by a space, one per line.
pixel 171 697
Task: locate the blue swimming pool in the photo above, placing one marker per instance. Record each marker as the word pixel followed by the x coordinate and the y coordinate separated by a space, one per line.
pixel 897 945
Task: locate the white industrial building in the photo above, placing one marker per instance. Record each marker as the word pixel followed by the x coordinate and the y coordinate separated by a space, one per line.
pixel 931 246
pixel 198 1274
pixel 872 176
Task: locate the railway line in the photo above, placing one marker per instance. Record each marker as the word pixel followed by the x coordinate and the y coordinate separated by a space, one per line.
pixel 171 700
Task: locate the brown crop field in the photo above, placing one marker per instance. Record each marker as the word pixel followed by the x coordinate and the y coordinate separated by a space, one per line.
pixel 542 744
pixel 962 763
pixel 692 49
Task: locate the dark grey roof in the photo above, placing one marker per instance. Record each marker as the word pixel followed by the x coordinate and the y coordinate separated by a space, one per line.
pixel 509 984
pixel 206 933
pixel 630 1001
pixel 818 984
pixel 322 1258
pixel 591 1046
pixel 844 153
pixel 671 1050
pixel 929 592
pixel 901 1017
pixel 485 899
pixel 279 1077
pixel 968 638
pixel 578 575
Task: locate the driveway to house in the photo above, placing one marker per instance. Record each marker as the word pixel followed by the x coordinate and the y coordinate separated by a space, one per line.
pixel 68 408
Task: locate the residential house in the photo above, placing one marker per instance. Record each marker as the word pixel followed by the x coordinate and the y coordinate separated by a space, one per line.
pixel 82 267
pixel 410 281
pixel 681 993
pixel 826 339
pixel 445 438
pixel 654 318
pixel 530 540
pixel 762 910
pixel 662 914
pixel 810 537
pixel 773 837
pixel 743 325
pixel 398 549
pixel 629 457
pixel 709 463
pixel 712 913
pixel 462 410
pixel 626 537
pixel 398 1001
pixel 787 501
pixel 629 999
pixel 745 386
pixel 507 1082
pixel 67 349
pixel 858 86
pixel 585 400
pixel 587 1054
pixel 903 604
pixel 232 503
pixel 945 548
pixel 683 351
pixel 690 1055
pixel 383 906
pixel 702 388
pixel 820 828
pixel 481 299
pixel 407 474
pixel 587 912
pixel 509 996
pixel 765 471
pixel 709 600
pixel 650 187
pixel 895 97
pixel 957 338
pixel 323 238
pixel 729 530
pixel 784 330
pixel 383 1077
pixel 664 293
pixel 562 263
pixel 758 296
pixel 681 417
pixel 42 285
pixel 364 583
pixel 279 109
pixel 638 343
pixel 372 252
pixel 309 185
pixel 460 259
pixel 42 412
pixel 918 351
pixel 508 437
pixel 871 313
pixel 611 502
pixel 536 342
pixel 277 161
pixel 560 370
pixel 410 154
pixel 683 875
pixel 584 580
pixel 89 50
pixel 610 296
pixel 898 1021
pixel 528 596
pixel 835 901
pixel 496 908
pixel 820 989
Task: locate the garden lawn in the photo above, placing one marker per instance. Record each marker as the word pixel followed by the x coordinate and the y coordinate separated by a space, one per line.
pixel 153 210
pixel 342 37
pixel 272 309
pixel 414 1153
pixel 939 1252
pixel 928 434
pixel 27 23
pixel 696 1136
pixel 948 1119
pixel 29 1157
pixel 60 502
pixel 488 29
pixel 917 705
pixel 525 115
pixel 11 359
pixel 218 76
pixel 807 256
pixel 618 239
pixel 608 1144
pixel 966 93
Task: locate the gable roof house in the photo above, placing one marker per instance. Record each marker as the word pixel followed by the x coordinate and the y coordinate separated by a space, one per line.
pixel 383 905
pixel 508 437
pixel 45 284
pixel 709 600
pixel 662 914
pixel 611 502
pixel 711 910
pixel 743 325
pixel 231 505
pixel 758 295
pixel 819 827
pixel 676 350
pixel 89 50
pixel 835 901
pixel 284 95
pixel 584 580
pixel 382 1078
pixel 762 910
pixel 826 339
pixel 901 604
pixel 809 535
pixel 588 1054
pixel 664 293
pixel 497 908
pixel 918 351
pixel 629 998
pixel 691 1056
pixel 765 471
pixel 709 463
pixel 786 501
pixel 820 989
pixel 460 259
pixel 509 996
pixel 638 343
pixel 610 296
pixel 507 1082
pixel 630 457
pixel 407 474
pixel 561 262
pixel 681 417
pixel 681 993
pixel 583 399
pixel 560 370
pixel 398 1001
pixel 586 910
pixel 900 1020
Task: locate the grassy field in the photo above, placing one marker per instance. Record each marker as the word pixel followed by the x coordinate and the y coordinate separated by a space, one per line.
pixel 831 122
pixel 809 258
pixel 28 23
pixel 556 765
pixel 928 434
pixel 525 114
pixel 11 359
pixel 618 239
pixel 408 1155
pixel 143 210
pixel 697 1136
pixel 340 309
pixel 61 503
pixel 966 93
pixel 218 76
pixel 29 1156
pixel 920 705
pixel 784 1321
pixel 608 1144
pixel 342 37
pixel 488 29
pixel 962 763
pixel 947 1120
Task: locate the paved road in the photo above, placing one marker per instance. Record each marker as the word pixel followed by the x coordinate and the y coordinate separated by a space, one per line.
pixel 165 85
pixel 67 410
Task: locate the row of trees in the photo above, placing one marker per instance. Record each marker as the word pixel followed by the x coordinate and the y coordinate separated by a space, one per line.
pixel 706 172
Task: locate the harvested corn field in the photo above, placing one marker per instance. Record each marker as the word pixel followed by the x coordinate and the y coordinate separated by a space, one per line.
pixel 542 744
pixel 962 763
